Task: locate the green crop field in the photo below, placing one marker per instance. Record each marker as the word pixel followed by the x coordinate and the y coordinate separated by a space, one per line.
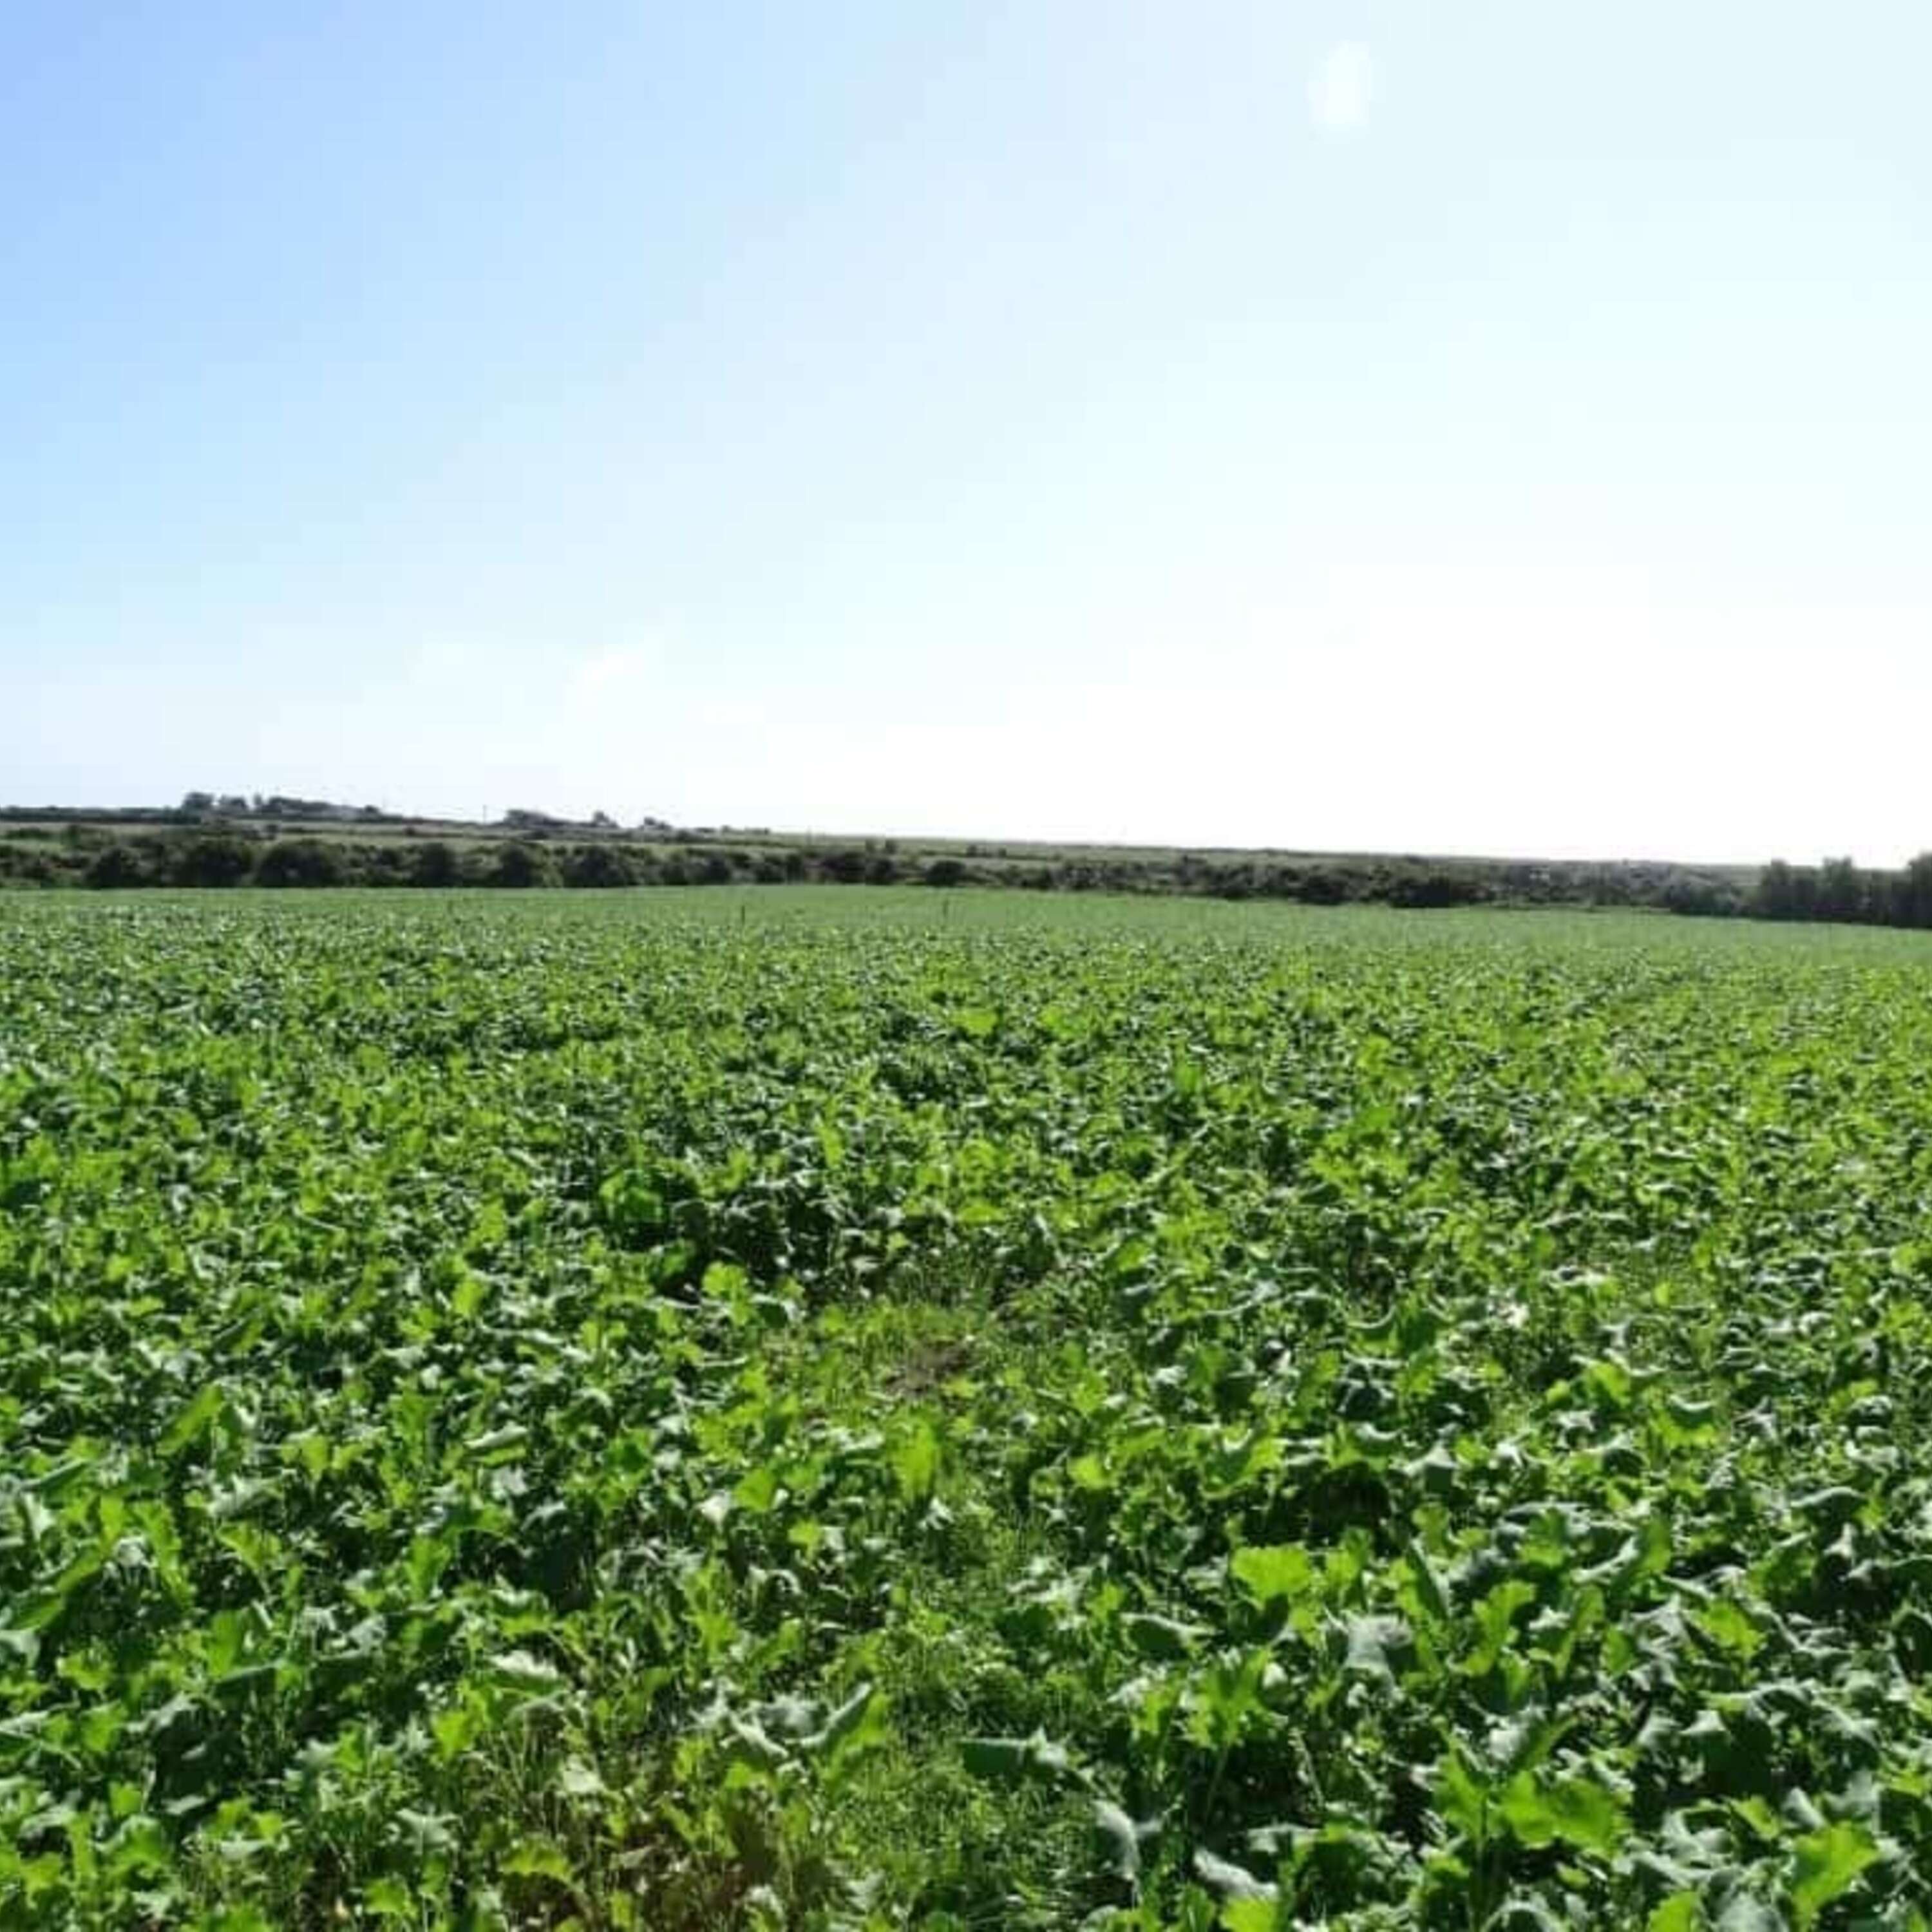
pixel 878 1409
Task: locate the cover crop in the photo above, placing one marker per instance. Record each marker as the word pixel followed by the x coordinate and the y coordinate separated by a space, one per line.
pixel 864 1414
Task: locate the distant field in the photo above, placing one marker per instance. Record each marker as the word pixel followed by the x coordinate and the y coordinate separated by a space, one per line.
pixel 867 1408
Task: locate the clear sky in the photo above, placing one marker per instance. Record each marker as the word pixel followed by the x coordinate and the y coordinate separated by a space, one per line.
pixel 1465 426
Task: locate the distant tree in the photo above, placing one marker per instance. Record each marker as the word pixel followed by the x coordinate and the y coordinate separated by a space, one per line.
pixel 1606 885
pixel 1914 901
pixel 945 872
pixel 519 864
pixel 433 863
pixel 218 858
pixel 1775 895
pixel 1841 892
pixel 301 861
pixel 1434 886
pixel 1323 885
pixel 116 865
pixel 195 803
pixel 386 864
pixel 598 865
pixel 1696 896
pixel 23 862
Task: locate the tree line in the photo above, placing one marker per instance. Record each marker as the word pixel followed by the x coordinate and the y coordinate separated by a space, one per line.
pixel 1839 891
pixel 79 856
pixel 204 855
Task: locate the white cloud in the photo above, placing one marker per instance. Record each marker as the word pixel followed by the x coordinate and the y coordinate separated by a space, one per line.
pixel 1342 86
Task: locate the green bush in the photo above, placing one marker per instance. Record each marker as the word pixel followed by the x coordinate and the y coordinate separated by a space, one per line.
pixel 434 863
pixel 301 861
pixel 117 866
pixel 522 865
pixel 215 859
pixel 598 865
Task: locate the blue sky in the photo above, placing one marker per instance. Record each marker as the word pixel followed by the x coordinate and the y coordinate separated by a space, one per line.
pixel 1457 427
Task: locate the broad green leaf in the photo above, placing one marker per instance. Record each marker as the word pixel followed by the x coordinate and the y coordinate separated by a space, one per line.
pixel 194 1421
pixel 1575 1810
pixel 1464 1798
pixel 388 1898
pixel 536 1858
pixel 1251 1915
pixel 1273 1573
pixel 1826 1865
pixel 916 1459
pixel 1682 1912
pixel 1163 1637
pixel 856 1724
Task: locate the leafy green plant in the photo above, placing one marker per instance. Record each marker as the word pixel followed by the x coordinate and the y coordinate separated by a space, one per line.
pixel 573 1410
